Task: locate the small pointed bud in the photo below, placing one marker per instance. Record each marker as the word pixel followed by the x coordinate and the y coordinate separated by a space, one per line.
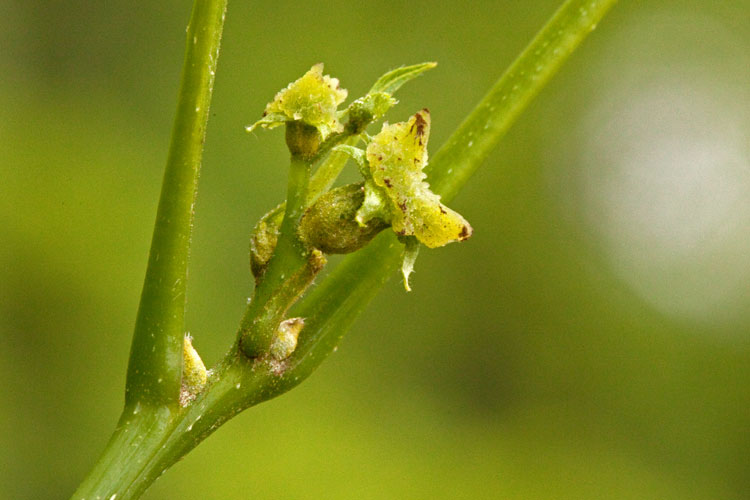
pixel 330 224
pixel 367 109
pixel 285 341
pixel 379 99
pixel 194 373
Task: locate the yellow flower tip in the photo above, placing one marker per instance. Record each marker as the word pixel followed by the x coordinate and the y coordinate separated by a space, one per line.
pixel 397 157
pixel 194 373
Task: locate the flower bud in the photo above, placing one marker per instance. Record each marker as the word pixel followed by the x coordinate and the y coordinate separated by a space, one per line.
pixel 285 340
pixel 264 238
pixel 194 373
pixel 303 140
pixel 367 109
pixel 330 223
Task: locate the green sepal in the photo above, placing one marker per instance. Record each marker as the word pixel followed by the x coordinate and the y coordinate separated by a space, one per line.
pixel 393 80
pixel 356 154
pixel 271 120
pixel 374 206
pixel 411 250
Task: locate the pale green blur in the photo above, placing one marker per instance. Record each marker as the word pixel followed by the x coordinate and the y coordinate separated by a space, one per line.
pixel 590 341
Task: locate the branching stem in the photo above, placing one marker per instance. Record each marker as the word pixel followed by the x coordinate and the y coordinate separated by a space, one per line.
pixel 151 437
pixel 289 259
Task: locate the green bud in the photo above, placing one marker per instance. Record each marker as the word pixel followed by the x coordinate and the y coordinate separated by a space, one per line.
pixel 285 340
pixel 330 223
pixel 302 139
pixel 367 109
pixel 264 238
pixel 194 373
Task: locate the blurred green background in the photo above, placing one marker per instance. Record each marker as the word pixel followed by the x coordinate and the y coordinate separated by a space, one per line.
pixel 590 341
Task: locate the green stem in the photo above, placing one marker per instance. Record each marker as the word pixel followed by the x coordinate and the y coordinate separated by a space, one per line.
pixel 155 366
pixel 290 253
pixel 138 435
pixel 289 246
pixel 237 383
pixel 289 259
pixel 259 326
pixel 329 170
pixel 465 150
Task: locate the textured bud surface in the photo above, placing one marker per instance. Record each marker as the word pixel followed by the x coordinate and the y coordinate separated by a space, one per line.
pixel 285 341
pixel 194 373
pixel 264 238
pixel 367 109
pixel 330 224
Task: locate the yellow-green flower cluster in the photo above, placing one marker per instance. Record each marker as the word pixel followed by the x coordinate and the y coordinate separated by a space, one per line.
pixel 313 100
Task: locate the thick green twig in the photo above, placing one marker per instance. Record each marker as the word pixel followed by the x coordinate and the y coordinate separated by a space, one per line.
pixel 155 365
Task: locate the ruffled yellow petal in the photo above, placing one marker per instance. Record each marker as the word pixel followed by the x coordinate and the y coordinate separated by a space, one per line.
pixel 397 157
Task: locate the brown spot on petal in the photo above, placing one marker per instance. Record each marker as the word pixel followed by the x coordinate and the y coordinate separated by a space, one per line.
pixel 420 123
